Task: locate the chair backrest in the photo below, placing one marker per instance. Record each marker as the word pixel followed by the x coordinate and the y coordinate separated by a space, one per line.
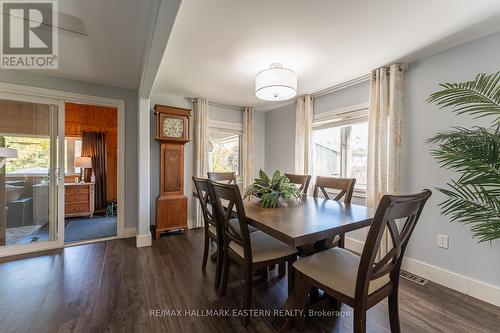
pixel 390 209
pixel 204 196
pixel 233 203
pixel 302 180
pixel 227 177
pixel 345 185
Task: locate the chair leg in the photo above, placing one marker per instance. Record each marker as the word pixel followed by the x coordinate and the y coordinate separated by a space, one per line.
pixel 334 303
pixel 205 252
pixel 359 322
pixel 282 269
pixel 300 299
pixel 291 276
pixel 247 299
pixel 225 273
pixel 264 274
pixel 342 241
pixel 394 313
pixel 218 265
pixel 314 294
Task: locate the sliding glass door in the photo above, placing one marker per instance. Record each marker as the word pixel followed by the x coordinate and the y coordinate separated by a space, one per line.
pixel 31 147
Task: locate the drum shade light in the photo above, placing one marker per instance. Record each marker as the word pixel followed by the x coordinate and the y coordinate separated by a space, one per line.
pixel 276 83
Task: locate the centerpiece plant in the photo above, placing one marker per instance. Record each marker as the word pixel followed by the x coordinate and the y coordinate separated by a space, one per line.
pixel 270 190
pixel 473 197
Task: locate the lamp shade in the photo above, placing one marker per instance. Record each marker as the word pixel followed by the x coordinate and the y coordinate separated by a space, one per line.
pixel 83 162
pixel 276 83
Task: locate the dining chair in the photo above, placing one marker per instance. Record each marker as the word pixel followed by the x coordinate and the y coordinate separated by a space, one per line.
pixel 212 229
pixel 251 251
pixel 228 177
pixel 362 282
pixel 346 187
pixel 302 180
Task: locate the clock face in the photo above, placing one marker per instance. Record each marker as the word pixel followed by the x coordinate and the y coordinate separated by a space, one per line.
pixel 173 127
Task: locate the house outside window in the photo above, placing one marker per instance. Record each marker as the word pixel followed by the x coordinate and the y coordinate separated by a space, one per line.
pixel 340 146
pixel 73 147
pixel 224 153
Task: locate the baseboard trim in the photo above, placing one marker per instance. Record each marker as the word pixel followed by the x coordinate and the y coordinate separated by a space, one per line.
pixel 474 288
pixel 129 232
pixel 143 240
pixel 477 289
pixel 354 245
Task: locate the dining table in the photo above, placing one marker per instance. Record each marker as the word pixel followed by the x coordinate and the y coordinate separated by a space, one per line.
pixel 307 220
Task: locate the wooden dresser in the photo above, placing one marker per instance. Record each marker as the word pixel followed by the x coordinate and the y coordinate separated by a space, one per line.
pixel 78 199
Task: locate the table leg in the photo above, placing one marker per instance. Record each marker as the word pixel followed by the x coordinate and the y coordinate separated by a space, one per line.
pixel 283 324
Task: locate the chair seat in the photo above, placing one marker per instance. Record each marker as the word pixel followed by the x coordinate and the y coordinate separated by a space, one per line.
pixel 337 269
pixel 235 223
pixel 264 247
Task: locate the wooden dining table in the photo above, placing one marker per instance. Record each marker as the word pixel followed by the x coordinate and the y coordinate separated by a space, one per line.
pixel 308 220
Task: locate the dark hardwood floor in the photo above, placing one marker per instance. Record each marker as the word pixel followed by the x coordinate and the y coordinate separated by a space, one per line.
pixel 114 287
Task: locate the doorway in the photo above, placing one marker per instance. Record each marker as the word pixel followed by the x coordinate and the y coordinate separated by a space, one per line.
pixel 90 177
pixel 33 179
pixel 29 193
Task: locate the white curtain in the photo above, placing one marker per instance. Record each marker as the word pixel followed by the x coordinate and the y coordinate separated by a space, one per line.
pixel 303 132
pixel 248 150
pixel 385 120
pixel 200 110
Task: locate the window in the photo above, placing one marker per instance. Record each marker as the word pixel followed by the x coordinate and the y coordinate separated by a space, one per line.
pixel 340 149
pixel 224 152
pixel 33 155
pixel 73 149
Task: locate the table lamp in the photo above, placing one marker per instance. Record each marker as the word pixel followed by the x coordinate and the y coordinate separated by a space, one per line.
pixel 83 163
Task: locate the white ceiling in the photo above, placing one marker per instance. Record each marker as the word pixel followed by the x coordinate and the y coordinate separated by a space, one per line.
pixel 218 46
pixel 112 53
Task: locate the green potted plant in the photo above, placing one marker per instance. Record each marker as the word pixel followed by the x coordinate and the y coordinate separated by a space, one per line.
pixel 272 190
pixel 473 197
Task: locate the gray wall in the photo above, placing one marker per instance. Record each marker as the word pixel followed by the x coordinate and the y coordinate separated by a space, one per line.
pixel 280 139
pixel 259 134
pixel 215 112
pixel 130 98
pixel 419 170
pixel 353 95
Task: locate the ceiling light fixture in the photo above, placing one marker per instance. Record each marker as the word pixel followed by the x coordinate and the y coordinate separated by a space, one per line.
pixel 276 83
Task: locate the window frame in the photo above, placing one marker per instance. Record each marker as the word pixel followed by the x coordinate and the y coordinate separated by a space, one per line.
pixel 237 129
pixel 71 172
pixel 28 174
pixel 343 118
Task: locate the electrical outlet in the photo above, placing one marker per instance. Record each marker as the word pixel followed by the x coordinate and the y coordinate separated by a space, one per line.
pixel 442 241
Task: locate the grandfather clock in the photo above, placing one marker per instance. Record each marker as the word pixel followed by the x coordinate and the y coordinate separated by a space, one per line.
pixel 172 132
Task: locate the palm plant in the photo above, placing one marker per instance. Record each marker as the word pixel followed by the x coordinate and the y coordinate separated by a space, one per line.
pixel 271 190
pixel 473 198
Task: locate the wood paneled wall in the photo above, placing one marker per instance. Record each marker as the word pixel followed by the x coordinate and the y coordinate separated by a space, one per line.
pixel 81 118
